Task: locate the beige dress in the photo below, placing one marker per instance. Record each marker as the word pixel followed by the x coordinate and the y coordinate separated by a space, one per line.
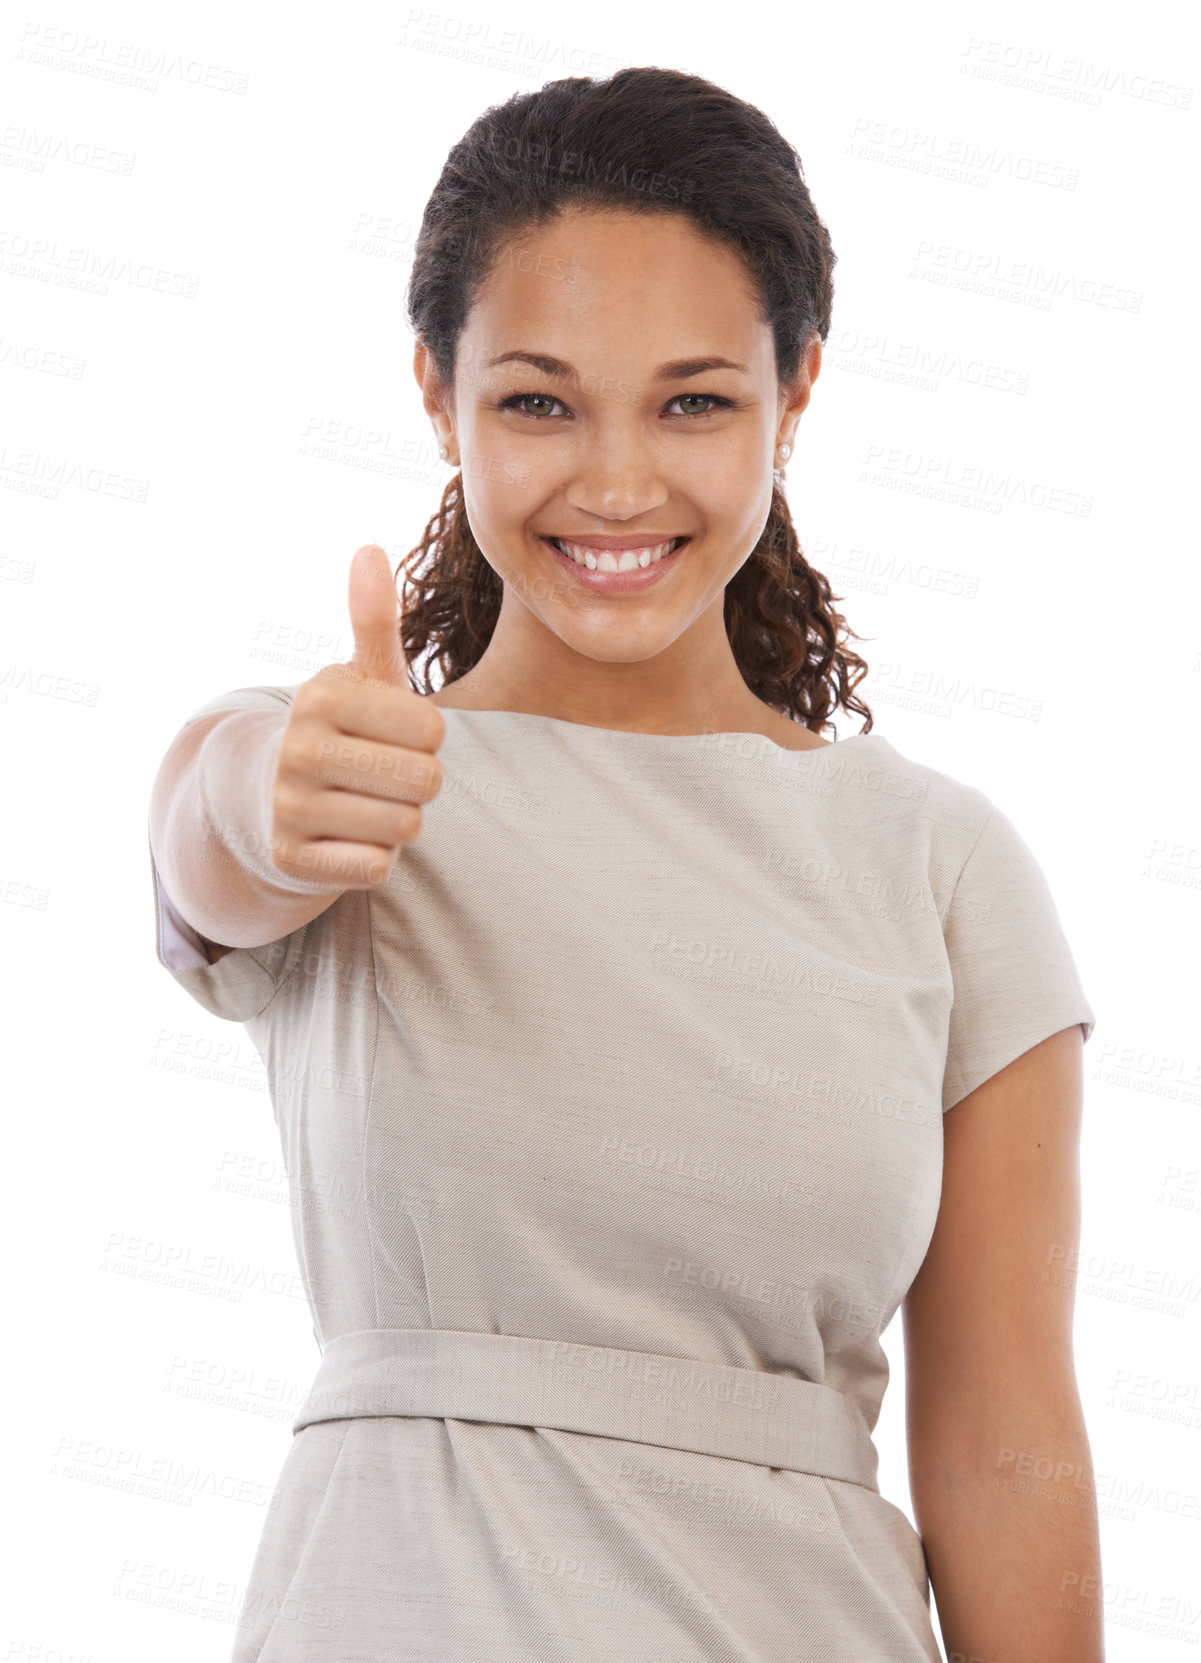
pixel 613 1126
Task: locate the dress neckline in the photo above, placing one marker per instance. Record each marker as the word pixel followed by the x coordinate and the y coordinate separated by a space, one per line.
pixel 685 739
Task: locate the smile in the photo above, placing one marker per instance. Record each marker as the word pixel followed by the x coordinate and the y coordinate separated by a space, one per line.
pixel 623 560
pixel 616 571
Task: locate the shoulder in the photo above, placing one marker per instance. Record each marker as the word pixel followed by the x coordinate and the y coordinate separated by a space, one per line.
pixel 911 797
pixel 263 697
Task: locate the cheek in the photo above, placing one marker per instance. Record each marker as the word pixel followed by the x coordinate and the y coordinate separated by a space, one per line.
pixel 496 480
pixel 500 496
pixel 727 471
pixel 731 493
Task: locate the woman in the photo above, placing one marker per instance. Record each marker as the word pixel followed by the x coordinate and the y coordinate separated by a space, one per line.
pixel 624 1108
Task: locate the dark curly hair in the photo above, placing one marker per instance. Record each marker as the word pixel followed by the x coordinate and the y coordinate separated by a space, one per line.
pixel 646 140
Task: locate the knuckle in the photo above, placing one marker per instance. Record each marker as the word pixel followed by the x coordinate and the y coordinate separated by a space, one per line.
pixel 379 869
pixel 294 751
pixel 285 801
pixel 321 693
pixel 280 857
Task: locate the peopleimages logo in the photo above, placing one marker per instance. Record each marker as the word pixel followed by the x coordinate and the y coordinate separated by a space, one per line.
pixel 964 161
pixel 913 469
pixel 581 164
pixel 998 276
pixel 1036 70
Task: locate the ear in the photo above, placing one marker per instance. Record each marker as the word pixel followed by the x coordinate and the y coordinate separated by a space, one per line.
pixel 434 395
pixel 794 396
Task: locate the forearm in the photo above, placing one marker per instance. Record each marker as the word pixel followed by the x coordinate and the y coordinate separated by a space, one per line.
pixel 1012 1542
pixel 210 833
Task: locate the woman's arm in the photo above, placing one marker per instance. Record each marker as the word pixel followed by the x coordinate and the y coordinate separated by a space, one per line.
pixel 1000 1469
pixel 210 829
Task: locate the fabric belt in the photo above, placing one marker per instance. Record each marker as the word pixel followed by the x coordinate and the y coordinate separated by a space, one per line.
pixel 673 1402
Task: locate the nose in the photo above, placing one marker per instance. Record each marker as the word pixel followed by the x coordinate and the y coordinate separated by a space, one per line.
pixel 617 476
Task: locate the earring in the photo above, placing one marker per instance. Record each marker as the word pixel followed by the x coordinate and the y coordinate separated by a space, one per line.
pixel 442 452
pixel 785 452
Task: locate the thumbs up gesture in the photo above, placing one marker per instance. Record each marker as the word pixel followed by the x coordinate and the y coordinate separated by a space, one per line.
pixel 356 759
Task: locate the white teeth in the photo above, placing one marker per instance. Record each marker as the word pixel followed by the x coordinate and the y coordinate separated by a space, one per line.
pixel 631 559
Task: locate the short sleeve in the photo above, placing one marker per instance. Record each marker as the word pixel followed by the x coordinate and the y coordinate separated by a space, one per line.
pixel 242 981
pixel 1015 979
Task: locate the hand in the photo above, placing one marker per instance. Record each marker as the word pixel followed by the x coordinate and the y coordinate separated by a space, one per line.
pixel 356 759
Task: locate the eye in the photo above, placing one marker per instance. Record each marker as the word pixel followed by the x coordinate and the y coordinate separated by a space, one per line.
pixel 711 398
pixel 516 399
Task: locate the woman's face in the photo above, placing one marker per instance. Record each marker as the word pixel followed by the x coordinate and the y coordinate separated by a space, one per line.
pixel 613 441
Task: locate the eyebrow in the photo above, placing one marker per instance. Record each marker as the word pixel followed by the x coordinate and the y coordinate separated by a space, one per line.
pixel 679 369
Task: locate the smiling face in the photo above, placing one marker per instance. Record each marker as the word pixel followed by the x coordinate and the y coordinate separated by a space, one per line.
pixel 589 405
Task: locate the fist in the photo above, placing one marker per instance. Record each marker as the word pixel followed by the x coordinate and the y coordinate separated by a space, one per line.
pixel 357 758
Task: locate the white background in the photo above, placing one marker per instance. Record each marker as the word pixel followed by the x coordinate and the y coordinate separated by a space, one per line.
pixel 996 472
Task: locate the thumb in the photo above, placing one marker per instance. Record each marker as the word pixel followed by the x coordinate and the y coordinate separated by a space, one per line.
pixel 375 617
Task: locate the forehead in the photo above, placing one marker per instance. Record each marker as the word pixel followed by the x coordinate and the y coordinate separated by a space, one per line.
pixel 619 284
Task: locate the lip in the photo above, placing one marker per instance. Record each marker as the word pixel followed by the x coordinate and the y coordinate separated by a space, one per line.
pixel 617 583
